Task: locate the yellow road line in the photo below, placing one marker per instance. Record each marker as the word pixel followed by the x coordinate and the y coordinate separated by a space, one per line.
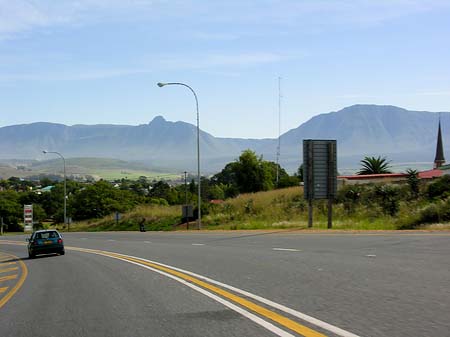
pixel 19 283
pixel 282 320
pixel 8 269
pixel 2 290
pixel 7 263
pixel 7 278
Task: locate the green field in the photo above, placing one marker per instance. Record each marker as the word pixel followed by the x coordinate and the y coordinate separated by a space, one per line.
pixel 99 168
pixel 114 174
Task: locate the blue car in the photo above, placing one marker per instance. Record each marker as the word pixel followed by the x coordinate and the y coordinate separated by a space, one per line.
pixel 45 242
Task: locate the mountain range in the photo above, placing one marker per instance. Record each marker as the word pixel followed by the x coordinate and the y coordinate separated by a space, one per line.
pixel 360 130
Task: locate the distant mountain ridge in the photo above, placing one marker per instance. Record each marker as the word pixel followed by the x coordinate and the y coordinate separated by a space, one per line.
pixel 359 130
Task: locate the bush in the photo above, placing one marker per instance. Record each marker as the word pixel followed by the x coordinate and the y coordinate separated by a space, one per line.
pixel 432 213
pixel 350 197
pixel 388 198
pixel 439 188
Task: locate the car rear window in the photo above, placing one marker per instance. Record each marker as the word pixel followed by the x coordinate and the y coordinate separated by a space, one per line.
pixel 46 235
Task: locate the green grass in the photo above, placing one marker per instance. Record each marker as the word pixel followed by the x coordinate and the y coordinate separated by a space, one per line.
pixel 278 209
pixel 114 174
pixel 157 217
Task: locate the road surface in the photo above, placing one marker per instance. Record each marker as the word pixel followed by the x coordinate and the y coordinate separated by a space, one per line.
pixel 228 284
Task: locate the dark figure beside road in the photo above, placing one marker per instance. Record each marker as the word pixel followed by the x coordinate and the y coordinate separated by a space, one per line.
pixel 142 225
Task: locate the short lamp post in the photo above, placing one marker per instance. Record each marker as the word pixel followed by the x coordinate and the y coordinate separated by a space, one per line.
pixel 65 191
pixel 199 224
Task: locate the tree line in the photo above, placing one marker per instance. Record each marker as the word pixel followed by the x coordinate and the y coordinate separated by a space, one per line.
pixel 249 173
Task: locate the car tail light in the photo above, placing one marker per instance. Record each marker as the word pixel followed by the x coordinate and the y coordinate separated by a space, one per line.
pixel 59 240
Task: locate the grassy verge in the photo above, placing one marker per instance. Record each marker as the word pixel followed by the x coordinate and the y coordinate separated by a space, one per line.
pixel 157 218
pixel 278 209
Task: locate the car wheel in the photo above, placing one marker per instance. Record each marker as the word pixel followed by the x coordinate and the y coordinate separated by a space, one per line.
pixel 62 252
pixel 31 255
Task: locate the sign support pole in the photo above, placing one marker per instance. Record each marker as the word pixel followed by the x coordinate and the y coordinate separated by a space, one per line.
pixel 310 213
pixel 331 182
pixel 330 213
pixel 310 184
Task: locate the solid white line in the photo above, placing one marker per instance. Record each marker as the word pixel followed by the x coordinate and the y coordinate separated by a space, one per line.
pixel 147 241
pixel 245 313
pixel 198 244
pixel 287 249
pixel 371 255
pixel 111 240
pixel 329 327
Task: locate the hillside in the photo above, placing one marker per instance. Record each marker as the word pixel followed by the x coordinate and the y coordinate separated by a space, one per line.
pixel 402 135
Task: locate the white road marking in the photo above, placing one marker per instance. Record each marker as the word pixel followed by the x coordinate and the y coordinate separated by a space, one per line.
pixel 147 241
pixel 287 249
pixel 111 240
pixel 371 255
pixel 334 329
pixel 269 326
pixel 324 325
pixel 83 238
pixel 198 244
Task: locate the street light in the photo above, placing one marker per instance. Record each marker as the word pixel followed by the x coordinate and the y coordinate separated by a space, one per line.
pixel 198 146
pixel 65 194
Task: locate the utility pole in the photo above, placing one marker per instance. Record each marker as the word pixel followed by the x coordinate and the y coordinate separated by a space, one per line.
pixel 279 130
pixel 185 188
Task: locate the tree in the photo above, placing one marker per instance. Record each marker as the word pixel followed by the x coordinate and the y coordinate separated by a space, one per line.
pixel 252 173
pixel 100 199
pixel 413 181
pixel 372 165
pixel 10 209
pixel 299 173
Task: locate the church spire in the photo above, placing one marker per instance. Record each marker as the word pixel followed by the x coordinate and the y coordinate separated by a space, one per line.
pixel 439 160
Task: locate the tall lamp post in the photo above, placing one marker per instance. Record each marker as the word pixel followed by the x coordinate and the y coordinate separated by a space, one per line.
pixel 65 193
pixel 199 224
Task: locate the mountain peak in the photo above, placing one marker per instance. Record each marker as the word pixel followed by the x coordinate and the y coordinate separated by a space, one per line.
pixel 158 120
pixel 372 108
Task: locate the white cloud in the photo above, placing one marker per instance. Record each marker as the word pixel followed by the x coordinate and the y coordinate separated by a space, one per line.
pixel 19 16
pixel 435 93
pixel 220 64
pixel 211 60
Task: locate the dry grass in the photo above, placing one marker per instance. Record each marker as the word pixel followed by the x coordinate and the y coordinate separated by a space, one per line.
pixel 277 209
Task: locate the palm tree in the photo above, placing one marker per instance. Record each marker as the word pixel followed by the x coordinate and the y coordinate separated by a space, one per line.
pixel 372 165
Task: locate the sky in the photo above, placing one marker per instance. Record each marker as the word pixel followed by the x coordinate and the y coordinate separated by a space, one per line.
pixel 98 61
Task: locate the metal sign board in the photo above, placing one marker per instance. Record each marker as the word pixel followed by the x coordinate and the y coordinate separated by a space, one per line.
pixel 187 211
pixel 319 169
pixel 28 217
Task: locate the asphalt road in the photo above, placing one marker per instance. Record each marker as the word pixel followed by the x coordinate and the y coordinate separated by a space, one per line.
pixel 368 285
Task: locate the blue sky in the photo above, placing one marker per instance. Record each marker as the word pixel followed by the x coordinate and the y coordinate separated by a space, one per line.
pixel 98 61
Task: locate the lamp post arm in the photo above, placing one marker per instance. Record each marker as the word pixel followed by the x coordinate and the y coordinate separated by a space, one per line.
pixel 198 146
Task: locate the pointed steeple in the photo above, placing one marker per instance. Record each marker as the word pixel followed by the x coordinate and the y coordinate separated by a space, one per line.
pixel 439 160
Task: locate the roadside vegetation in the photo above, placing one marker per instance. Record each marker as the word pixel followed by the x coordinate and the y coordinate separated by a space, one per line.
pixel 244 195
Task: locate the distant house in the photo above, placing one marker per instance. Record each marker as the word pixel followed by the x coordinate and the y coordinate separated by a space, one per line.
pixel 431 174
pixel 372 178
pixel 445 169
pixel 45 189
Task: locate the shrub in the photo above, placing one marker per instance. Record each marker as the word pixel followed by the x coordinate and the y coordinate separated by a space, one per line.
pixel 349 196
pixel 388 198
pixel 439 188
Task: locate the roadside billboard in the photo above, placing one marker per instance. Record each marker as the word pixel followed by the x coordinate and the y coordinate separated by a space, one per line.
pixel 28 218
